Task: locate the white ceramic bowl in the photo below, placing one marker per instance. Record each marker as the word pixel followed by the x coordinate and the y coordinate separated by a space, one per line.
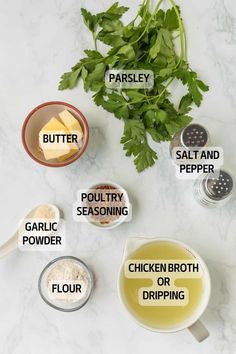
pixel 122 218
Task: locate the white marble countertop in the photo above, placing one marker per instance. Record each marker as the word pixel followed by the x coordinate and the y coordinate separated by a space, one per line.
pixel 39 41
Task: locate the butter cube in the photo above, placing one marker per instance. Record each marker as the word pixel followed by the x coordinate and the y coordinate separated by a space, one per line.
pixel 71 123
pixel 62 151
pixel 74 150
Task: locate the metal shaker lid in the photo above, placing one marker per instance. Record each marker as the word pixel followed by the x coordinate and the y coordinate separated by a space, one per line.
pixel 194 136
pixel 219 188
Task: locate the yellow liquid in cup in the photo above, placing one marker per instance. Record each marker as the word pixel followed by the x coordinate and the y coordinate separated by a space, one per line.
pixel 161 317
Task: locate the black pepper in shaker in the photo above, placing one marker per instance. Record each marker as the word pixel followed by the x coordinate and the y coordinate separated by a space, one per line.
pixel 213 191
pixel 194 136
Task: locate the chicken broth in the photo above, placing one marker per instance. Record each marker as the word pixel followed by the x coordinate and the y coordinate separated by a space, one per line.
pixel 161 317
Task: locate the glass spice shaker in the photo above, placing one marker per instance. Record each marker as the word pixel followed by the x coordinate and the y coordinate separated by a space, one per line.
pixel 193 136
pixel 213 191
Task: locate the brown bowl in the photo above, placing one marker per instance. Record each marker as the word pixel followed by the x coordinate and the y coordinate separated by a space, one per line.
pixel 35 121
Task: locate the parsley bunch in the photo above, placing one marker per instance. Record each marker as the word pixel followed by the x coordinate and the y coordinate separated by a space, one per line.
pixel 147 42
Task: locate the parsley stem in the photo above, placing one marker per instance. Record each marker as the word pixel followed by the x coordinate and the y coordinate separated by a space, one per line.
pixel 183 44
pixel 177 36
pixel 183 41
pixel 145 3
pixel 148 23
pixel 166 87
pixel 150 98
pixel 95 41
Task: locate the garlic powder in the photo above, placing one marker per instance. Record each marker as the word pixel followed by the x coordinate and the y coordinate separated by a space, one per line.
pixel 44 212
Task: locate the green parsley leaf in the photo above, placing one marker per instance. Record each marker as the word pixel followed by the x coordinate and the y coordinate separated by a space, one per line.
pixel 134 129
pixel 145 158
pixel 135 144
pixel 89 19
pixel 155 48
pixel 144 43
pixel 114 12
pixel 171 19
pixel 156 136
pixel 93 54
pixel 185 104
pixel 64 81
pixel 94 80
pixel 161 116
pixel 127 51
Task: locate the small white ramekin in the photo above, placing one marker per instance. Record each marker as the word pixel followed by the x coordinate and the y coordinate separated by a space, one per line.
pixel 122 218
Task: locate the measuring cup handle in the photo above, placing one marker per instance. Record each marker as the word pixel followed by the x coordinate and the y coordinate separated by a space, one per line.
pixel 199 331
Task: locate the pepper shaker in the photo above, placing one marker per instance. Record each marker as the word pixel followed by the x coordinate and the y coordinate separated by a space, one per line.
pixel 193 136
pixel 213 191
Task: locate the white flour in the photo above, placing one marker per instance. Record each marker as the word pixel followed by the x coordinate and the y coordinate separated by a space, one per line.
pixel 68 272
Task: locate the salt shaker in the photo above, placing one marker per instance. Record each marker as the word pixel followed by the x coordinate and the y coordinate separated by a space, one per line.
pixel 213 191
pixel 193 136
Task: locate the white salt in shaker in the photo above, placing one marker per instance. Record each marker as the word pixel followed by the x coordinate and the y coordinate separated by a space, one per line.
pixel 213 191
